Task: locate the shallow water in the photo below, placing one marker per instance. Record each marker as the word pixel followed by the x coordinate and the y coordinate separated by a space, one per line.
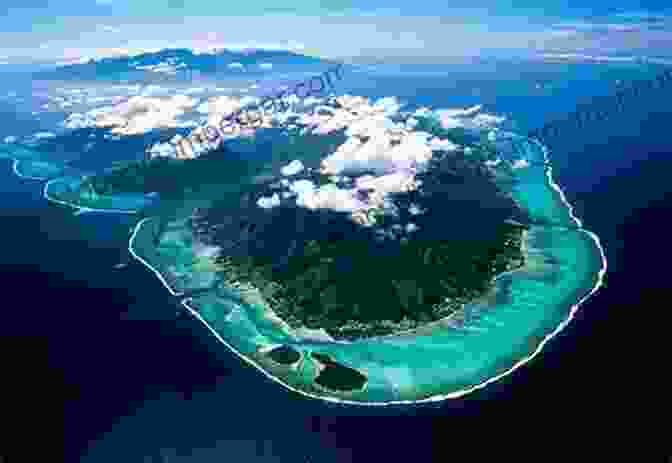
pixel 565 265
pixel 172 369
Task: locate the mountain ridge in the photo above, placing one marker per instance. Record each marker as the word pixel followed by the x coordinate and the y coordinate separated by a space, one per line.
pixel 170 61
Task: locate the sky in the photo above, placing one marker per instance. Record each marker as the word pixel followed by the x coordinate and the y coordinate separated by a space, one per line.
pixel 65 31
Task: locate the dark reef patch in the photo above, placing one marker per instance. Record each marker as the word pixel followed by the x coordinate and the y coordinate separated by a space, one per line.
pixel 284 355
pixel 338 377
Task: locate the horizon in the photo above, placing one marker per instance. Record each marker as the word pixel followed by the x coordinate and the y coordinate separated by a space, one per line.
pixel 424 31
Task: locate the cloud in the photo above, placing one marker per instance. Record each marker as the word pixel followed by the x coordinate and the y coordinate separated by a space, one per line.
pixel 632 33
pixel 366 35
pixel 138 114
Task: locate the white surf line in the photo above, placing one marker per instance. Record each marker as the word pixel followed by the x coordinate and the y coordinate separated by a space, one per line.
pixel 436 398
pixel 15 168
pixel 81 209
pixel 251 362
pixel 462 392
pixel 266 349
pixel 147 264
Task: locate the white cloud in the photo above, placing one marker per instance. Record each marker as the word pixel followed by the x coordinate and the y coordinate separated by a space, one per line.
pixel 162 149
pixel 459 111
pixel 520 163
pixel 292 168
pixel 136 115
pixel 365 34
pixel 39 135
pixel 438 144
pixel 376 32
pixel 269 202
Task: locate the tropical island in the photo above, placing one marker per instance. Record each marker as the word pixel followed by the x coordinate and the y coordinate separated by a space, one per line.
pixel 422 252
pixel 417 263
pixel 355 252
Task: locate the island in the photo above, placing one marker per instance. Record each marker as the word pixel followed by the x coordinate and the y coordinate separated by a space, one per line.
pixel 356 252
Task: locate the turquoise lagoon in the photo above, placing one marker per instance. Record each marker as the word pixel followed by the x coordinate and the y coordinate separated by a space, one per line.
pixel 449 358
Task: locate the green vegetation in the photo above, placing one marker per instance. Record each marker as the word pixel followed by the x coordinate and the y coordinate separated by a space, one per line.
pixel 457 135
pixel 350 286
pixel 165 175
pixel 352 291
pixel 169 176
pixel 284 355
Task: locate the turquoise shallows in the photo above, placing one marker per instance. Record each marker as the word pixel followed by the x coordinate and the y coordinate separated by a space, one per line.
pixel 479 344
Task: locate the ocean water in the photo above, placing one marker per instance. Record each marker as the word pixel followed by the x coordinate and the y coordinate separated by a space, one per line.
pixel 143 382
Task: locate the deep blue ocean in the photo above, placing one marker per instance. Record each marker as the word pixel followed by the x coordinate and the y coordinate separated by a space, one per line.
pixel 103 362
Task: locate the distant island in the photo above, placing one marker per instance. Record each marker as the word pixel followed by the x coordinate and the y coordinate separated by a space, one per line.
pixel 158 65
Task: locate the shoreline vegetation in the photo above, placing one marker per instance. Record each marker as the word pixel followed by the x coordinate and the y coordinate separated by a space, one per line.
pixel 254 115
pixel 450 378
pixel 416 281
pixel 305 263
pixel 424 282
pixel 452 374
pixel 303 385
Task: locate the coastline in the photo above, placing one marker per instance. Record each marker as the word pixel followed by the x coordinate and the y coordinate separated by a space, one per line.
pixel 80 209
pixel 158 274
pixel 331 398
pixel 458 393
